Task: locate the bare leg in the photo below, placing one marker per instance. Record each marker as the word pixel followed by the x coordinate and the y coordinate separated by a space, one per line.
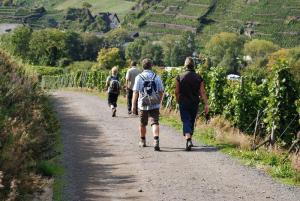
pixel 189 143
pixel 188 136
pixel 143 131
pixel 155 130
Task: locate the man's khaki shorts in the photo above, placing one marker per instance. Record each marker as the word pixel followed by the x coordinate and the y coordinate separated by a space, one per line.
pixel 153 115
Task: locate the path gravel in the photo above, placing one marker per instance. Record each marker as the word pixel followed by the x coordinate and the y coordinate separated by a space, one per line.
pixel 104 163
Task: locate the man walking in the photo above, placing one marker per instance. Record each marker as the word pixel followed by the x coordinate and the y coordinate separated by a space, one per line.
pixel 148 90
pixel 189 88
pixel 130 78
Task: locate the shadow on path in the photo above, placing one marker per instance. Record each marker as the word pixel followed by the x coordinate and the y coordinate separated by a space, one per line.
pixel 88 177
pixel 194 149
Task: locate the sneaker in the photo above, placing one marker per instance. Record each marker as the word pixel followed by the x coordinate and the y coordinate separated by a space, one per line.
pixel 114 112
pixel 142 143
pixel 189 145
pixel 156 145
pixel 129 112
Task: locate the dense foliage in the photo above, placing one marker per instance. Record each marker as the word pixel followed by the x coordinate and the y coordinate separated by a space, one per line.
pixel 51 47
pixel 240 101
pixel 27 132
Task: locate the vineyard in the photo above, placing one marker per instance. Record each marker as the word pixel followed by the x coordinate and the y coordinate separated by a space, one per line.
pixel 268 107
pixel 277 20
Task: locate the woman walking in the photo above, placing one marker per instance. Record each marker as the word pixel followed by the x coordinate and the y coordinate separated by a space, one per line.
pixel 189 88
pixel 113 89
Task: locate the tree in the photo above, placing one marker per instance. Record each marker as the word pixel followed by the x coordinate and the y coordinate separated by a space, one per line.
pixel 154 52
pixel 188 44
pixel 91 45
pixel 99 25
pixel 177 56
pixel 168 42
pixel 86 5
pixel 47 46
pixel 73 46
pixel 175 51
pixel 7 2
pixel 259 50
pixel 134 50
pixel 20 42
pixel 224 49
pixel 110 57
pixel 117 38
pixel 292 56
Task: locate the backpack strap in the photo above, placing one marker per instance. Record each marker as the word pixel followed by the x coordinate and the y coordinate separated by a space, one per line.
pixel 144 78
pixel 154 76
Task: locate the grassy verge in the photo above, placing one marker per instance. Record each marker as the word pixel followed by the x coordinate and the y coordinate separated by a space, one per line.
pixel 270 162
pixel 53 167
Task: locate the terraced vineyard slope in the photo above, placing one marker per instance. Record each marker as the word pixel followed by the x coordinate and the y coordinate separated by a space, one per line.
pixel 274 20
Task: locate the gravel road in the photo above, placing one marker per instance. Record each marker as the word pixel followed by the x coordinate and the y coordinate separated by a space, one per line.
pixel 104 163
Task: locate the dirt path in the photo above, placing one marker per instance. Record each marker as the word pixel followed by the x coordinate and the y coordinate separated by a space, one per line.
pixel 104 163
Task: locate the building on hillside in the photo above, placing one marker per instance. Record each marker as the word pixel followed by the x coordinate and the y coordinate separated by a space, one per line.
pixel 111 19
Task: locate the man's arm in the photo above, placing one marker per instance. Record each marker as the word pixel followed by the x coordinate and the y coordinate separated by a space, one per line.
pixel 127 79
pixel 204 97
pixel 161 95
pixel 177 91
pixel 135 97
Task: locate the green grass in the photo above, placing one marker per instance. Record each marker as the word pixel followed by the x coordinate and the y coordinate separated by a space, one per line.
pixel 261 159
pixel 121 7
pixel 53 167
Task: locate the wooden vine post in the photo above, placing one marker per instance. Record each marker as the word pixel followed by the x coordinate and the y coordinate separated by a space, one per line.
pixel 273 136
pixel 256 125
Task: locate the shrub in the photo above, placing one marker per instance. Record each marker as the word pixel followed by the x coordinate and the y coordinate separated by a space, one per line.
pixel 110 57
pixel 224 49
pixel 259 50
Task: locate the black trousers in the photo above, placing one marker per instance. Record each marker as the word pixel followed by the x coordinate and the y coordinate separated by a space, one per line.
pixel 112 99
pixel 129 100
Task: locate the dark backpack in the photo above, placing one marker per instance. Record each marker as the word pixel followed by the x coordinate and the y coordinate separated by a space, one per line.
pixel 114 85
pixel 149 94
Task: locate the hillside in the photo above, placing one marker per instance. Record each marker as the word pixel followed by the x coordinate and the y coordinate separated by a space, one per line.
pixel 274 20
pixel 121 7
pixel 26 9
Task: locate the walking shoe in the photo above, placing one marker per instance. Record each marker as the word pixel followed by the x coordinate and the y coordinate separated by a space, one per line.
pixel 129 112
pixel 189 145
pixel 114 110
pixel 156 145
pixel 142 143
